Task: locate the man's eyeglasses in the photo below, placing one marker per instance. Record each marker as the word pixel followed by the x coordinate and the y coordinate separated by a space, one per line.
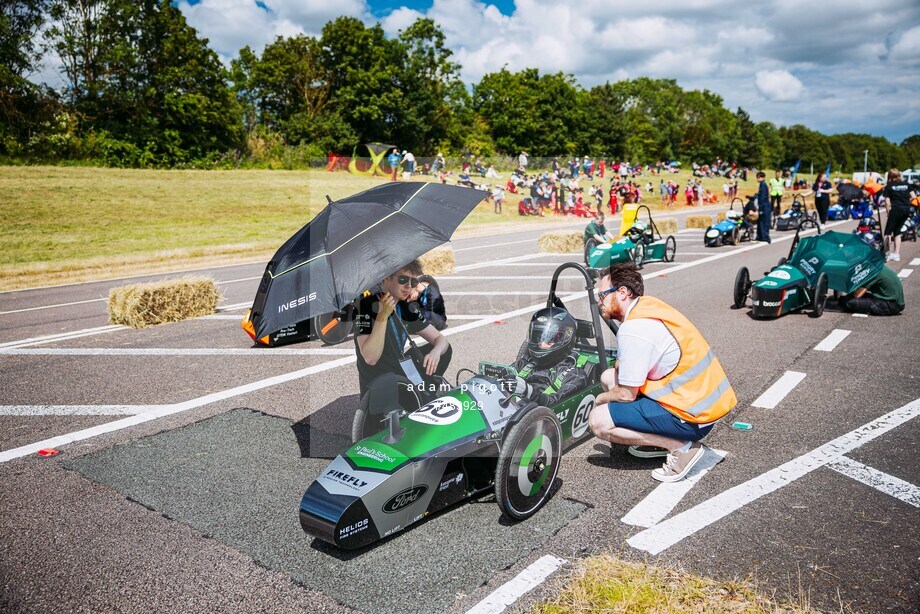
pixel 602 295
pixel 405 279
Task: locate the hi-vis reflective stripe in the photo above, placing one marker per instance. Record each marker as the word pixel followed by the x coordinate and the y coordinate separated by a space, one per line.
pixel 380 221
pixel 683 378
pixel 711 399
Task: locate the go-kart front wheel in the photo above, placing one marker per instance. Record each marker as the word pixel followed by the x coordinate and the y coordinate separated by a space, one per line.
pixel 742 286
pixel 590 244
pixel 670 249
pixel 819 296
pixel 365 424
pixel 638 255
pixel 528 464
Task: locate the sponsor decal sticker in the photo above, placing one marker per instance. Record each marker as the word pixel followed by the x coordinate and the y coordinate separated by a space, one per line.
pixel 450 482
pixel 355 483
pixel 440 412
pixel 393 530
pixel 404 498
pixel 580 421
pixel 770 303
pixel 353 529
pixel 767 282
pixel 780 274
pixel 377 455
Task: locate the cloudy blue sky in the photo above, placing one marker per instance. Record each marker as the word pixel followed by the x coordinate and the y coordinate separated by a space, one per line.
pixel 836 66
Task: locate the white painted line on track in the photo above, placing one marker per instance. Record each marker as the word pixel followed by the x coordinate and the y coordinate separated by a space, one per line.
pixel 235 318
pixel 470 316
pixel 93 300
pixel 72 410
pixel 778 391
pixel 888 484
pixel 501 293
pixel 516 264
pixel 235 306
pixel 236 281
pixel 915 262
pixel 251 352
pixel 832 340
pixel 659 503
pixel 504 261
pixel 509 592
pixel 153 412
pixel 111 279
pixel 664 535
pixel 566 276
pixel 75 334
pixel 466 249
pixel 905 273
pixel 860 315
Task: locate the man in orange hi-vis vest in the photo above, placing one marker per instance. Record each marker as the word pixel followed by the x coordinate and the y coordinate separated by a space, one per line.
pixel 668 387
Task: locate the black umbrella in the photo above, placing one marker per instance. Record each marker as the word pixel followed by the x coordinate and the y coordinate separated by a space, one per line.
pixel 351 245
pixel 848 191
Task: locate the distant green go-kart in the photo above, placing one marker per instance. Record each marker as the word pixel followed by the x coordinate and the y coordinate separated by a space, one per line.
pixel 832 260
pixel 642 243
pixel 408 464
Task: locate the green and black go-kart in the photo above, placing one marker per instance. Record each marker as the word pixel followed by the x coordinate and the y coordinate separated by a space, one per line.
pixel 832 260
pixel 469 440
pixel 642 243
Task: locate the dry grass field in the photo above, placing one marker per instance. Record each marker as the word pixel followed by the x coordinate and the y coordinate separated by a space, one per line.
pixel 65 224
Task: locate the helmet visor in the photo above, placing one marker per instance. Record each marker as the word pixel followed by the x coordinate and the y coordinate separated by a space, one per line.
pixel 548 335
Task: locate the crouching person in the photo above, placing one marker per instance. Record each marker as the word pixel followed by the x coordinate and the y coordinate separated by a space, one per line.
pixel 667 389
pixel 883 295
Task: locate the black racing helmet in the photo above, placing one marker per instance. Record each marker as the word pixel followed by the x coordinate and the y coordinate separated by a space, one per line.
pixel 552 335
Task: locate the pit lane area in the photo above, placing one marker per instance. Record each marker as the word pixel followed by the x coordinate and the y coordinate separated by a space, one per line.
pixel 121 519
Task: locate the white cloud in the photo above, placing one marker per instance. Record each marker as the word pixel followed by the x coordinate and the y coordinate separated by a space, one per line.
pixel 779 85
pixel 400 19
pixel 907 48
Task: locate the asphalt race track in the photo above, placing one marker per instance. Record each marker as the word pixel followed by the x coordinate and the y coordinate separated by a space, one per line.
pixel 184 452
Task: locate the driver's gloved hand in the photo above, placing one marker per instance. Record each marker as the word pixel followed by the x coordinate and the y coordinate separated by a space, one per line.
pixel 516 385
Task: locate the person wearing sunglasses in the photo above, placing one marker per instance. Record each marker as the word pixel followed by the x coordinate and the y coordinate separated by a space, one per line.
pixel 667 389
pixel 383 324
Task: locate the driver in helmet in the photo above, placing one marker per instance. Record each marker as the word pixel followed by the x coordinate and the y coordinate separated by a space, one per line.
pixel 547 368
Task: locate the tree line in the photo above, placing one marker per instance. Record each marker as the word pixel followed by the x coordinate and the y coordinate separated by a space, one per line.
pixel 141 88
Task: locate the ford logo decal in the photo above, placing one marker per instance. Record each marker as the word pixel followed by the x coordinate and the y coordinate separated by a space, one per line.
pixel 404 498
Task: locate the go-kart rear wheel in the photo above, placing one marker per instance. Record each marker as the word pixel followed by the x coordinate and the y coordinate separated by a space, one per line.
pixel 819 296
pixel 332 328
pixel 590 244
pixel 736 236
pixel 742 286
pixel 670 249
pixel 528 464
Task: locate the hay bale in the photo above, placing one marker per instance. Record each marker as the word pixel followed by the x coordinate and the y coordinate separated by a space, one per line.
pixel 559 242
pixel 439 261
pixel 667 225
pixel 699 221
pixel 720 217
pixel 171 300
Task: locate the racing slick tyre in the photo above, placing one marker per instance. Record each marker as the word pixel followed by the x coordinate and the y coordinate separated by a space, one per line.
pixel 742 286
pixel 332 328
pixel 736 237
pixel 365 424
pixel 773 222
pixel 819 296
pixel 670 249
pixel 590 244
pixel 528 464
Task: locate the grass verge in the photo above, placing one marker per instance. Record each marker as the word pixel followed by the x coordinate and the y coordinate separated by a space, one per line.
pixel 606 584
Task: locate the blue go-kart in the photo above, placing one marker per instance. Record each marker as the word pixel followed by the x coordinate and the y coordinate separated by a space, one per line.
pixel 730 231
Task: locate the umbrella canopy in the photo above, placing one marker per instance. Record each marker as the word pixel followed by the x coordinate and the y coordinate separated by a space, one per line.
pixel 848 191
pixel 351 245
pixel 848 261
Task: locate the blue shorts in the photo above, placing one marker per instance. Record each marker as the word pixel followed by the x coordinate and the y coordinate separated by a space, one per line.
pixel 647 416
